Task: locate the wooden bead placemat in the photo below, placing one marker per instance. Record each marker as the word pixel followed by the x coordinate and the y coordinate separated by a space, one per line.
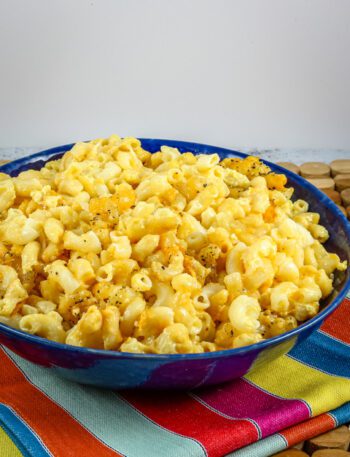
pixel 334 195
pixel 322 183
pixel 340 167
pixel 315 170
pixel 342 181
pixel 345 196
pixel 290 166
pixel 333 179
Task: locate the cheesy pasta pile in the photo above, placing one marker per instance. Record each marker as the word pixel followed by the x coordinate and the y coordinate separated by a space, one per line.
pixel 115 248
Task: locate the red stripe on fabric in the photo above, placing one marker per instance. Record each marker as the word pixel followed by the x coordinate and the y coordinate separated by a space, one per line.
pixel 338 323
pixel 186 416
pixel 308 429
pixel 60 432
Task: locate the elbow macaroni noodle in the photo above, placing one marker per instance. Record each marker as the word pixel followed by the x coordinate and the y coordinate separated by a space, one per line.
pixel 114 248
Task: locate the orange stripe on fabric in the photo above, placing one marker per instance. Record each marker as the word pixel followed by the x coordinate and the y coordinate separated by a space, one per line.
pixel 308 429
pixel 338 323
pixel 61 434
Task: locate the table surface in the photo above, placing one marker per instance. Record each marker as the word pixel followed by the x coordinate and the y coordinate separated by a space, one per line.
pixel 297 156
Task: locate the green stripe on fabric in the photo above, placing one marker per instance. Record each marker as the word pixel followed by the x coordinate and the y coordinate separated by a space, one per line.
pixel 109 418
pixel 7 446
pixel 262 448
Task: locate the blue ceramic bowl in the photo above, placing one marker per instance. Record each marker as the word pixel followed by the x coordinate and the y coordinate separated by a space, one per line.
pixel 125 370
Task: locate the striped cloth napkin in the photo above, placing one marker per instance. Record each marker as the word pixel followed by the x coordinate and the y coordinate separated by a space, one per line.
pixel 298 396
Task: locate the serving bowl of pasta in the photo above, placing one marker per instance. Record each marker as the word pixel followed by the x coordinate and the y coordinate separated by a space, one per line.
pixel 149 263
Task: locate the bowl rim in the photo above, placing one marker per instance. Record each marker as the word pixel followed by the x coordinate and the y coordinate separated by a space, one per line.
pixel 103 353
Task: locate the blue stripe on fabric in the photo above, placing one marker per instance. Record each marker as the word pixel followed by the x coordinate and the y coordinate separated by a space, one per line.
pixel 324 353
pixel 21 434
pixel 107 417
pixel 204 451
pixel 342 414
pixel 332 337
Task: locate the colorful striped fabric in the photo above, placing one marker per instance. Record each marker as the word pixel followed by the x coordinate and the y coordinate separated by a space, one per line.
pixel 298 396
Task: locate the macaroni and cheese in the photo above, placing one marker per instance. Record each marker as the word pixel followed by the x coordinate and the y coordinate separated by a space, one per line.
pixel 112 247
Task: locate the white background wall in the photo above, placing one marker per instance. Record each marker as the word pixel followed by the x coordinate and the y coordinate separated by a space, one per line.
pixel 263 73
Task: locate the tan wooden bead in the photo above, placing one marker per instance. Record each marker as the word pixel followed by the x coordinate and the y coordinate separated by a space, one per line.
pixel 340 166
pixel 289 166
pixel 345 196
pixel 342 181
pixel 342 209
pixel 315 170
pixel 331 453
pixel 323 183
pixel 299 445
pixel 291 453
pixel 2 162
pixel 333 195
pixel 338 438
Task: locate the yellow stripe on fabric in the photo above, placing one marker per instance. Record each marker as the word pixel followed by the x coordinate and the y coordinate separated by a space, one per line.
pixel 287 378
pixel 7 446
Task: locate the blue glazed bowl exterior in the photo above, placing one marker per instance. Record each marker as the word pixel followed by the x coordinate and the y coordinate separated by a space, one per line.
pixel 117 370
